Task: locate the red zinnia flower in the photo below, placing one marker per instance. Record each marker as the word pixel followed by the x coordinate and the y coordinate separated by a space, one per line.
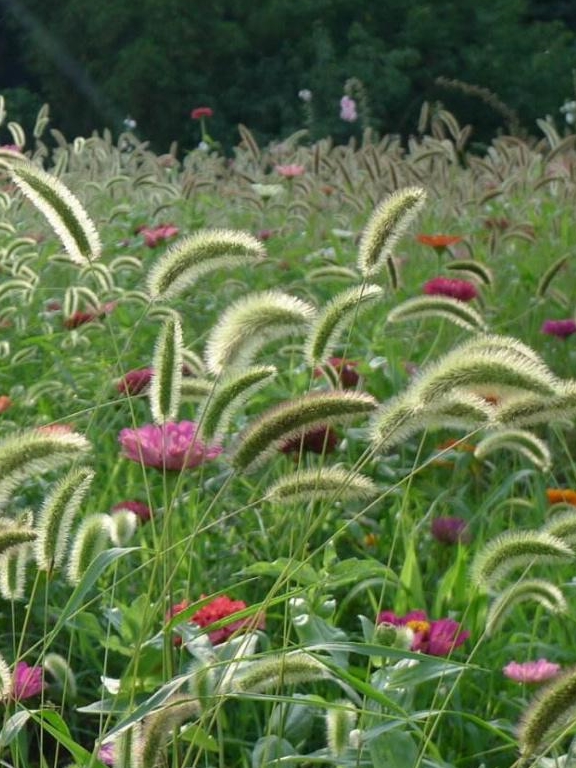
pixel 135 381
pixel 438 638
pixel 462 290
pixel 200 112
pixel 220 608
pixel 79 318
pixel 439 242
pixel 345 370
pixel 322 439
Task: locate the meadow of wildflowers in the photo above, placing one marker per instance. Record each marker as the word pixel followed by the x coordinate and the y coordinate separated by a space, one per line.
pixel 286 475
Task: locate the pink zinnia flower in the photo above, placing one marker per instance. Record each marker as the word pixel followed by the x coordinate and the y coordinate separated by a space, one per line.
pixel 141 510
pixel 173 446
pixel 27 681
pixel 456 289
pixel 220 608
pixel 106 754
pixel 290 171
pixel 155 235
pixel 348 109
pixel 450 530
pixel 322 439
pixel 531 671
pixel 560 328
pixel 200 112
pixel 437 638
pixel 11 148
pixel 345 370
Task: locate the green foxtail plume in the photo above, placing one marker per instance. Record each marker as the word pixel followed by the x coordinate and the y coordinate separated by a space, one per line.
pixel 123 525
pixel 419 307
pixel 159 727
pixel 520 441
pixel 340 720
pixel 538 591
pixel 57 515
pixel 166 385
pixel 275 671
pixel 549 275
pixel 62 209
pixel 34 452
pixel 196 389
pixel 6 680
pixel 230 394
pixel 530 410
pixel 90 539
pixel 321 484
pixel 387 224
pixel 562 523
pixel 331 319
pixel 492 342
pixel 64 678
pixel 250 323
pixel 552 709
pixel 13 571
pixel 473 268
pixel 290 418
pixel 201 253
pixel 515 549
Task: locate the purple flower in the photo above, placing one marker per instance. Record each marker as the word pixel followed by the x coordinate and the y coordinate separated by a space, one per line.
pixel 173 446
pixel 106 754
pixel 531 671
pixel 348 109
pixel 437 638
pixel 141 510
pixel 463 290
pixel 451 530
pixel 27 681
pixel 560 328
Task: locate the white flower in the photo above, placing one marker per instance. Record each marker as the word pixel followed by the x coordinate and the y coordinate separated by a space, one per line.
pixel 305 95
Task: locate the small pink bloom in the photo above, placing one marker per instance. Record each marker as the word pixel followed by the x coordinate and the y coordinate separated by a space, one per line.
pixel 220 608
pixel 290 171
pixel 437 638
pixel 106 754
pixel 141 510
pixel 265 234
pixel 11 148
pixel 463 290
pixel 451 530
pixel 560 328
pixel 200 112
pixel 173 446
pixel 155 235
pixel 27 681
pixel 531 671
pixel 348 109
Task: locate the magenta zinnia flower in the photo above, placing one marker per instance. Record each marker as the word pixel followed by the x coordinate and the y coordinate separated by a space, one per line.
pixel 450 530
pixel 155 235
pixel 348 109
pixel 135 381
pixel 27 681
pixel 141 510
pixel 174 446
pixel 531 671
pixel 437 638
pixel 447 286
pixel 560 328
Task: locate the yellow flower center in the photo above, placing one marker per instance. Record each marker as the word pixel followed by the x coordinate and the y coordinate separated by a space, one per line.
pixel 418 625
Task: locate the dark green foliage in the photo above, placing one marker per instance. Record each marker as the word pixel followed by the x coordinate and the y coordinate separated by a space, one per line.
pixel 158 59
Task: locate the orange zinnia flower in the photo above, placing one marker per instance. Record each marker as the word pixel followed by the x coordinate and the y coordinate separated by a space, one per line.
pixel 561 495
pixel 439 242
pixel 5 403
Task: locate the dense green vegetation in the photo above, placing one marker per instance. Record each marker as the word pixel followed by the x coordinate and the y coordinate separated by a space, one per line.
pixel 97 63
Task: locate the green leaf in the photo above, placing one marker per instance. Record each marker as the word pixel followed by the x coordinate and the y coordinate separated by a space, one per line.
pixel 285 568
pixel 412 596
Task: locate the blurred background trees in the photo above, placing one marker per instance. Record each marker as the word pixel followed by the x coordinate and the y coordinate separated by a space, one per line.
pixel 155 60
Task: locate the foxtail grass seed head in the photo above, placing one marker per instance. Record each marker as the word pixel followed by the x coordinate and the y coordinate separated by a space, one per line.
pixel 539 591
pixel 288 419
pixel 251 323
pixel 516 549
pixel 13 571
pixel 14 536
pixel 199 254
pixel 518 441
pixel 6 680
pixel 62 675
pixel 475 269
pixel 562 524
pixel 34 452
pixel 160 725
pixel 386 226
pixel 229 395
pixel 272 673
pixel 341 309
pixel 90 539
pixel 62 209
pixel 529 410
pixel 321 484
pixel 454 310
pixel 123 525
pixel 57 515
pixel 551 710
pixel 166 383
pixel 340 721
